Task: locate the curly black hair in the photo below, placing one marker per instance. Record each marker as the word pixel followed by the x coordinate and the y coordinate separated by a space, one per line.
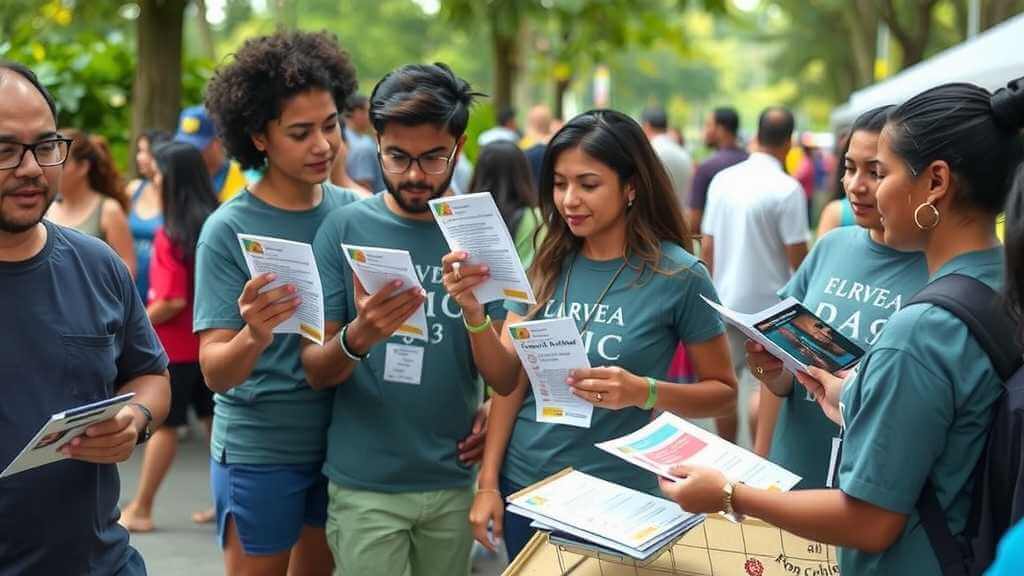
pixel 247 93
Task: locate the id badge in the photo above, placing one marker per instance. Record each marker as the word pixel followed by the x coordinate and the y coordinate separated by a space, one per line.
pixel 403 364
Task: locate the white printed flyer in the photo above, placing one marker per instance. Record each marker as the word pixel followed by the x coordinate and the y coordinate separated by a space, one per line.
pixel 670 440
pixel 548 350
pixel 294 264
pixel 376 267
pixel 471 223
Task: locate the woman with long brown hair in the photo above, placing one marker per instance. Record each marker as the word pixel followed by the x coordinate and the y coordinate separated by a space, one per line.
pixel 616 259
pixel 92 198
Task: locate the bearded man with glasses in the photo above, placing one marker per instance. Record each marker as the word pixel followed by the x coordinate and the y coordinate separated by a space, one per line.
pixel 74 331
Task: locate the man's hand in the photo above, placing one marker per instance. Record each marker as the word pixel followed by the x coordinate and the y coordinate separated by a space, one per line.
pixel 110 441
pixel 471 449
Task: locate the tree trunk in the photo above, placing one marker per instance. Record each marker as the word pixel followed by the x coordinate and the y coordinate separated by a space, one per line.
pixel 156 96
pixel 912 36
pixel 561 87
pixel 862 20
pixel 205 34
pixel 996 11
pixel 506 64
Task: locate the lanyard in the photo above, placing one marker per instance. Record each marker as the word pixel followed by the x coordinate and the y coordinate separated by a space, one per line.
pixel 565 290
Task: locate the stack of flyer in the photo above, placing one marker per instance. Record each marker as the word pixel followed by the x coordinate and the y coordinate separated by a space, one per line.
pixel 604 514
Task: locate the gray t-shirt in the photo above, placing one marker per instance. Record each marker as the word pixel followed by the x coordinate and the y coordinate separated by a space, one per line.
pixel 274 417
pixel 74 331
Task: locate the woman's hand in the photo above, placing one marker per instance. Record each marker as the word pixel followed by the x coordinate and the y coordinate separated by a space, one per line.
pixel 459 281
pixel 264 311
pixel 700 490
pixel 488 510
pixel 826 389
pixel 611 387
pixel 768 369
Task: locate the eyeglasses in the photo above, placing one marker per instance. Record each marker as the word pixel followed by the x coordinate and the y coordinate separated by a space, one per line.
pixel 51 152
pixel 431 163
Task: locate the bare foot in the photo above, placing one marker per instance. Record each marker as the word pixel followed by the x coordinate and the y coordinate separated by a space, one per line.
pixel 134 520
pixel 203 516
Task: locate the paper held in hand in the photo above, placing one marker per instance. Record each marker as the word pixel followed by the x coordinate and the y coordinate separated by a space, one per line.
pixel 376 267
pixel 669 441
pixel 604 513
pixel 792 334
pixel 471 223
pixel 548 350
pixel 61 428
pixel 294 264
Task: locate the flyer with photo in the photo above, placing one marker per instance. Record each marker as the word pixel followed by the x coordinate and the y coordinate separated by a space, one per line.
pixel 795 336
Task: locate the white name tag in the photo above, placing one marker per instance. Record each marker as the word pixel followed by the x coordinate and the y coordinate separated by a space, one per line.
pixel 833 463
pixel 403 364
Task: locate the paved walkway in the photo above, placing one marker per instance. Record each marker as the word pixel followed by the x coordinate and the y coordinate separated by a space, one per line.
pixel 179 547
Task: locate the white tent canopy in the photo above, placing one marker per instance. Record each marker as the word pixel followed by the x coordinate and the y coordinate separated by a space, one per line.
pixel 990 60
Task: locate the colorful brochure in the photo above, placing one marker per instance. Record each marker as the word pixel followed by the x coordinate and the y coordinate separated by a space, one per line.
pixel 669 441
pixel 61 428
pixel 471 223
pixel 376 267
pixel 798 338
pixel 294 264
pixel 548 350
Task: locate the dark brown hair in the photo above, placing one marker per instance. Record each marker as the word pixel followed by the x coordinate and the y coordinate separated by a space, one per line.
pixel 103 176
pixel 617 141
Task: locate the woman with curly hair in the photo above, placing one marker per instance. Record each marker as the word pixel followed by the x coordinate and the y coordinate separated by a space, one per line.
pixel 91 197
pixel 276 107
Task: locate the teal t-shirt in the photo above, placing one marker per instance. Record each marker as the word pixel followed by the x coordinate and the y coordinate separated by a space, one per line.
pixel 392 436
pixel 274 417
pixel 637 326
pixel 918 409
pixel 854 284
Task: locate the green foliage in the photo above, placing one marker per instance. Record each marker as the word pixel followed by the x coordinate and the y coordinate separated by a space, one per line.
pixel 89 73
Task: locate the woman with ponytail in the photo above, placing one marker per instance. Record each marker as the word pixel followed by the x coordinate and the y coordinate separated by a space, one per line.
pixel 92 198
pixel 917 410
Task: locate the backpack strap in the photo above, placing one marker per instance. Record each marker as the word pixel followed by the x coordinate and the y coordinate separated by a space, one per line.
pixel 947 548
pixel 982 310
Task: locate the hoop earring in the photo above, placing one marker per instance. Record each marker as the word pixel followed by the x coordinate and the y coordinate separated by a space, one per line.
pixel 917 216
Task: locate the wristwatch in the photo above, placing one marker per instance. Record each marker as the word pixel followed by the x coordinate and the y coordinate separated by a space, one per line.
pixel 727 510
pixel 147 430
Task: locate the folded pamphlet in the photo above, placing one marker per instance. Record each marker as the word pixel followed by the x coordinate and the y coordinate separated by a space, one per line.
pixel 798 338
pixel 61 428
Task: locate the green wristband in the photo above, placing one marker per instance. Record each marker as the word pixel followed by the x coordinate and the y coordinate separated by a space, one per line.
pixel 485 325
pixel 652 393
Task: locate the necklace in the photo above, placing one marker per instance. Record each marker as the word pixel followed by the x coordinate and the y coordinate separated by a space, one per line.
pixel 565 290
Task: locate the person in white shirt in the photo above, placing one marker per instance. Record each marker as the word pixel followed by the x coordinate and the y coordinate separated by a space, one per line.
pixel 755 233
pixel 505 130
pixel 674 157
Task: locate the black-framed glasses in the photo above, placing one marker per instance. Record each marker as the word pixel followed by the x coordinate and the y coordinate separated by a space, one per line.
pixel 430 163
pixel 49 152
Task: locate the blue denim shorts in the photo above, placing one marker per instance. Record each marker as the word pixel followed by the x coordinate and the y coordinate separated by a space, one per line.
pixel 270 503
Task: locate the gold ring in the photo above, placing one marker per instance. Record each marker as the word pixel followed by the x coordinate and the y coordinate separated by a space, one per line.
pixel 759 370
pixel 598 397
